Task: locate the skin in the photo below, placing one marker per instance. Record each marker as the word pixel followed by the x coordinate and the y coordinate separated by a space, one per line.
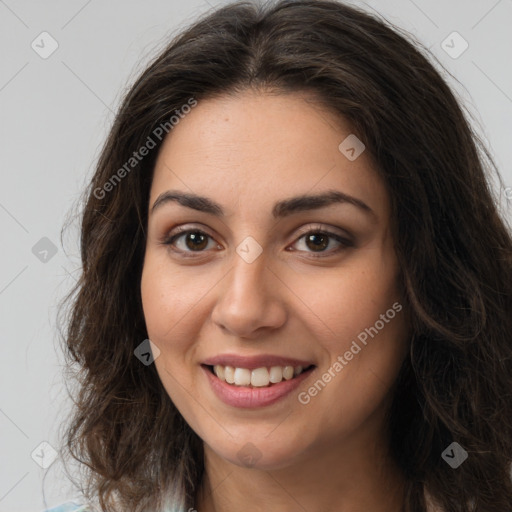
pixel 246 152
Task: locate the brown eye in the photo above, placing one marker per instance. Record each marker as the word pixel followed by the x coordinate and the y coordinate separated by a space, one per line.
pixel 318 241
pixel 192 240
pixel 196 240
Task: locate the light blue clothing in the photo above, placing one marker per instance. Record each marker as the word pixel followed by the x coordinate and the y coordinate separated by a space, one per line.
pixel 69 506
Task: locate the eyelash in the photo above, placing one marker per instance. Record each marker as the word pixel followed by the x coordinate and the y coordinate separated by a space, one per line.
pixel 345 243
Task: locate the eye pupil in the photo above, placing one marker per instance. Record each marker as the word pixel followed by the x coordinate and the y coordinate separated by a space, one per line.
pixel 323 243
pixel 198 240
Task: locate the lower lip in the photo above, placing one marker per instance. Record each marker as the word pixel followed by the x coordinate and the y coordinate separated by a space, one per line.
pixel 250 398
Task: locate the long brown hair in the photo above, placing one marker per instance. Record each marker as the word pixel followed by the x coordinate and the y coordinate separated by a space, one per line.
pixel 454 250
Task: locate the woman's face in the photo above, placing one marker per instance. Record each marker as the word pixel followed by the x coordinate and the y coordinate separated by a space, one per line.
pixel 274 250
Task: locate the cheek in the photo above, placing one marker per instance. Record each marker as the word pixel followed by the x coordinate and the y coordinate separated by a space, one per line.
pixel 172 324
pixel 365 353
pixel 363 323
pixel 169 300
pixel 163 308
pixel 168 307
pixel 348 301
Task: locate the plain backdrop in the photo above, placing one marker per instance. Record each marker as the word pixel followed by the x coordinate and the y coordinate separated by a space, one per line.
pixel 55 114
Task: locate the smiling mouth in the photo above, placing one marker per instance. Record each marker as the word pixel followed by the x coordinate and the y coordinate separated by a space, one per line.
pixel 258 377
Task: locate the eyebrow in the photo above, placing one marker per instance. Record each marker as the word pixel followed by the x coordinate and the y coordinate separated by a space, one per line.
pixel 281 208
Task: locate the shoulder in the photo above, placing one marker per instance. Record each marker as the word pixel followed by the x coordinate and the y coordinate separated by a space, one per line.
pixel 69 506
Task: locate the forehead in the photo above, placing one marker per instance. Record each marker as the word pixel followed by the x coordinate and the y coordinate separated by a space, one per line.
pixel 261 147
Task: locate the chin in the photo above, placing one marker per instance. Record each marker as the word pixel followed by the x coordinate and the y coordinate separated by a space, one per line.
pixel 257 452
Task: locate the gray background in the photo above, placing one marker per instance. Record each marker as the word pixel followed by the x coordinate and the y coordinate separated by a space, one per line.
pixel 55 113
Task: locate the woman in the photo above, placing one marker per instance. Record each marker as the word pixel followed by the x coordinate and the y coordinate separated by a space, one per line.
pixel 293 208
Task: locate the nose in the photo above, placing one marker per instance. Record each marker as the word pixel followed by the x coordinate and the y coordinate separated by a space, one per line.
pixel 250 299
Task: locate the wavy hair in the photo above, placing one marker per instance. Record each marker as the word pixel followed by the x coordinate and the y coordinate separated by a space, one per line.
pixel 453 246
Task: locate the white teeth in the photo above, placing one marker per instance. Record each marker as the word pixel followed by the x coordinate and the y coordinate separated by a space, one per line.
pixel 276 374
pixel 229 374
pixel 242 377
pixel 259 377
pixel 219 371
pixel 288 372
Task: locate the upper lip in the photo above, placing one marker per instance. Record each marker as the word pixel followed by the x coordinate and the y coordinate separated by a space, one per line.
pixel 252 362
